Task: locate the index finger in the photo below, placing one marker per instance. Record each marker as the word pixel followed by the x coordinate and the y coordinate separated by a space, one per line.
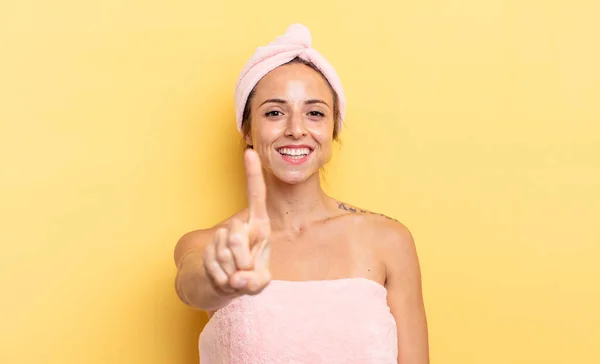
pixel 257 191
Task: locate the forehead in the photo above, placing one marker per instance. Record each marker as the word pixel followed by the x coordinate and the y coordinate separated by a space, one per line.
pixel 291 77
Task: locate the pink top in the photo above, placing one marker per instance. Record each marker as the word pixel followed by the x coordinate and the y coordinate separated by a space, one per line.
pixel 331 321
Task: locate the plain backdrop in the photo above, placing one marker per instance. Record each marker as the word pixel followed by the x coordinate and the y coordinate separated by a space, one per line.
pixel 475 123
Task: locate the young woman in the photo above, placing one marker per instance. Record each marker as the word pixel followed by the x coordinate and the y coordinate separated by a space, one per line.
pixel 299 276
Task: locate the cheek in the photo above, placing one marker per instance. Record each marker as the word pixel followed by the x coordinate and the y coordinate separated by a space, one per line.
pixel 323 133
pixel 267 133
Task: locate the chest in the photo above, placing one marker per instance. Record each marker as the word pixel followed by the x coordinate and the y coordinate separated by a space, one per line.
pixel 322 255
pixel 343 321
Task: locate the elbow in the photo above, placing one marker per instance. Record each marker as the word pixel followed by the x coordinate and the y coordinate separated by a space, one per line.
pixel 180 288
pixel 186 287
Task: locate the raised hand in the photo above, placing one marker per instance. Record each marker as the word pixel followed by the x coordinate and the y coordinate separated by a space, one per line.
pixel 237 259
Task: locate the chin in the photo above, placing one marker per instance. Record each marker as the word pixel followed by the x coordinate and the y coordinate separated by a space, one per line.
pixel 292 177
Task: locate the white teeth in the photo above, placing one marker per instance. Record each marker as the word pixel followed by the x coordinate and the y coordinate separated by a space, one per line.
pixel 296 152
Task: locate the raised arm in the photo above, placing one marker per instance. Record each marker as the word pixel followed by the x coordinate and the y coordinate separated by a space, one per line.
pixel 218 264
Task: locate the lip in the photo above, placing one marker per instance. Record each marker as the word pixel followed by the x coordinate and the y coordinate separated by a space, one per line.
pixel 295 146
pixel 295 161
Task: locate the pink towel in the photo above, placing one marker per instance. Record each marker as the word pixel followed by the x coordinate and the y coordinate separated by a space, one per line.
pixel 296 42
pixel 333 321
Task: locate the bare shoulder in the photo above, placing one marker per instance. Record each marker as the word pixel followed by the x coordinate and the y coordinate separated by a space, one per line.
pixel 351 209
pixel 199 238
pixel 381 224
pixel 391 238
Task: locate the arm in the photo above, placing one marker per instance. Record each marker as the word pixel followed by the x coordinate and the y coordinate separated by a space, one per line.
pixel 191 282
pixel 232 259
pixel 405 299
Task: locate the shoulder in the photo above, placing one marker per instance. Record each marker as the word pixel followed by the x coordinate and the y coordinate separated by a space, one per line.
pixel 199 238
pixel 383 225
pixel 392 239
pixel 359 214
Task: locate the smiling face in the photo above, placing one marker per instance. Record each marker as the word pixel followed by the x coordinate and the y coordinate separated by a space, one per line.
pixel 292 122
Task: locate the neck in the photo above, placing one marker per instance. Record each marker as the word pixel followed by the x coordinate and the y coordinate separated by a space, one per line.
pixel 292 207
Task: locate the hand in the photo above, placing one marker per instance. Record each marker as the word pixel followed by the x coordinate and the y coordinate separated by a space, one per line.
pixel 237 259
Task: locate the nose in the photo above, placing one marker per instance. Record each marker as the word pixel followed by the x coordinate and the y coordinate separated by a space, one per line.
pixel 295 126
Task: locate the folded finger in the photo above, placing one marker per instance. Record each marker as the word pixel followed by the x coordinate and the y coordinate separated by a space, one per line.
pixel 239 245
pixel 214 271
pixel 223 253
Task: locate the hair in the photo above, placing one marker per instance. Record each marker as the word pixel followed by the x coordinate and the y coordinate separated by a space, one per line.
pixel 246 122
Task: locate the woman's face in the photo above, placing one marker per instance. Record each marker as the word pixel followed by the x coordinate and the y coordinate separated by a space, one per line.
pixel 292 122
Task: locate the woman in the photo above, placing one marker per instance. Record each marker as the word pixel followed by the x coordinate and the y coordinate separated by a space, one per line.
pixel 298 276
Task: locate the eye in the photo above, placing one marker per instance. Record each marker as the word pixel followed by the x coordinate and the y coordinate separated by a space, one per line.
pixel 273 113
pixel 316 113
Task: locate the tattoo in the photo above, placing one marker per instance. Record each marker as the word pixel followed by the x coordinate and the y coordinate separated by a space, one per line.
pixel 343 206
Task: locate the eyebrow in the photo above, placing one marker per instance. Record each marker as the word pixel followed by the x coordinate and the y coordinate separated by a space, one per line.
pixel 282 101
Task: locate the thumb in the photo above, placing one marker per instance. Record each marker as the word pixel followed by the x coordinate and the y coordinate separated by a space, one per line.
pixel 252 282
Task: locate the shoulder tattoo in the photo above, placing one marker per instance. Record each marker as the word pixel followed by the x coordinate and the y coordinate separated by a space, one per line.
pixel 343 206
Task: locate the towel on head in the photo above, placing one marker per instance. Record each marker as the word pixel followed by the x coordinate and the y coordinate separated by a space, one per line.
pixel 295 42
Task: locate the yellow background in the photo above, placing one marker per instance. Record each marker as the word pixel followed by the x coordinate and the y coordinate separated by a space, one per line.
pixel 476 123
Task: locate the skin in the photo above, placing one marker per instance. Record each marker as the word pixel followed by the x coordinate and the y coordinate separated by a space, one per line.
pixel 296 232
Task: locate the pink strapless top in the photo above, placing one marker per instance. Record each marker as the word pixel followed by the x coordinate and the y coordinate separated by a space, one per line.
pixel 331 321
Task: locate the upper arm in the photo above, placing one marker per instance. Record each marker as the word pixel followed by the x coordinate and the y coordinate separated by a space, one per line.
pixel 405 298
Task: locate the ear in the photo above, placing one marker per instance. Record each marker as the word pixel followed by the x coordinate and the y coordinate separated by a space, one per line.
pixel 248 139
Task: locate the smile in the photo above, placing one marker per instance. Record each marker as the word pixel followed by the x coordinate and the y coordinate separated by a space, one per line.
pixel 295 154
